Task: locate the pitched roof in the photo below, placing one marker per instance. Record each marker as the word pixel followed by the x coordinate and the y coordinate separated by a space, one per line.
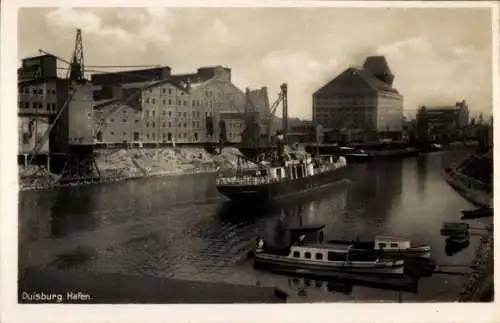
pixel 355 80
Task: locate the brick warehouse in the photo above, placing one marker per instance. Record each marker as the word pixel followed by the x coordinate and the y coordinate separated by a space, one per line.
pixel 189 108
pixel 361 103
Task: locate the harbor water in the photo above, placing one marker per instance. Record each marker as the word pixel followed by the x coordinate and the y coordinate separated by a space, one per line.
pixel 181 227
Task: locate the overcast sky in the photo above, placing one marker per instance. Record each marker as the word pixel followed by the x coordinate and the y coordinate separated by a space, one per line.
pixel 438 56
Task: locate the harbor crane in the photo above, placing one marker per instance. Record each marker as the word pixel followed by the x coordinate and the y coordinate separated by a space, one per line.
pixel 74 74
pixel 268 118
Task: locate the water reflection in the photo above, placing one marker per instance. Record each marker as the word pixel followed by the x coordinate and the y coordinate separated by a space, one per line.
pixel 453 247
pixel 71 217
pixel 80 258
pixel 301 285
pixel 345 284
pixel 421 175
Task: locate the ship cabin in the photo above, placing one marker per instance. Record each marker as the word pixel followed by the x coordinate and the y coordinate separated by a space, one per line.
pixel 289 170
pixel 314 233
pixel 328 253
pixel 391 243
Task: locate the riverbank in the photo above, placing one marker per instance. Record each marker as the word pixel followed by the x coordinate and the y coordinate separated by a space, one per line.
pixel 479 285
pixel 127 164
pixel 472 179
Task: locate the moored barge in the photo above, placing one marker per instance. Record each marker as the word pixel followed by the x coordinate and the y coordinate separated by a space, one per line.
pixel 309 253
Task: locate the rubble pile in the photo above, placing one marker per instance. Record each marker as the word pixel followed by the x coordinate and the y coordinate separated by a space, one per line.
pixel 35 177
pixel 123 164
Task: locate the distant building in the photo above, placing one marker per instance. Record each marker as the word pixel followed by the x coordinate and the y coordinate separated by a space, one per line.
pixel 258 112
pixel 305 132
pixel 360 103
pixel 438 123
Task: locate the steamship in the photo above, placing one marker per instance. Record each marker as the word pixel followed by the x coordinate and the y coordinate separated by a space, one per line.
pixel 285 173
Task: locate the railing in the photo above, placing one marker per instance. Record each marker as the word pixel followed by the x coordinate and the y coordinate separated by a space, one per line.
pixel 256 180
pixel 246 180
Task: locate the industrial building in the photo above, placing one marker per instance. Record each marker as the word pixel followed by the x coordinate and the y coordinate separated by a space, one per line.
pixel 360 104
pixel 444 122
pixel 202 107
pixel 41 94
pixel 133 108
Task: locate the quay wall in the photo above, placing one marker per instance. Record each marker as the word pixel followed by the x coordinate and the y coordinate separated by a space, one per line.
pixel 479 284
pixel 123 164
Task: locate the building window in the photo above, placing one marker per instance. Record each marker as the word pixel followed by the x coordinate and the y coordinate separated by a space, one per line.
pixel 307 255
pixel 319 256
pixel 196 136
pixel 296 254
pixel 153 124
pixel 169 113
pixel 179 114
pixel 111 120
pixel 185 103
pixel 163 91
pixel 185 124
pixel 164 112
pixel 185 135
pixel 169 136
pixel 185 114
pixel 194 124
pixel 154 101
pixel 169 92
pixel 164 101
pixel 180 125
pixel 163 124
pixel 153 113
pixel 147 100
pixel 27 104
pixel 147 124
pixel 124 133
pixel 48 107
pixel 112 133
pixel 136 121
pixel 193 103
pixel 170 124
pixel 169 102
pixel 153 135
pixel 124 120
pixel 147 135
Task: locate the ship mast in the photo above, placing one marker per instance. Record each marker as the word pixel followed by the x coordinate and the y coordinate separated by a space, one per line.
pixel 284 95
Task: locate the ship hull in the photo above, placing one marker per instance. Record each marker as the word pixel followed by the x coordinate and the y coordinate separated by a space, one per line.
pixel 284 189
pixel 277 263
